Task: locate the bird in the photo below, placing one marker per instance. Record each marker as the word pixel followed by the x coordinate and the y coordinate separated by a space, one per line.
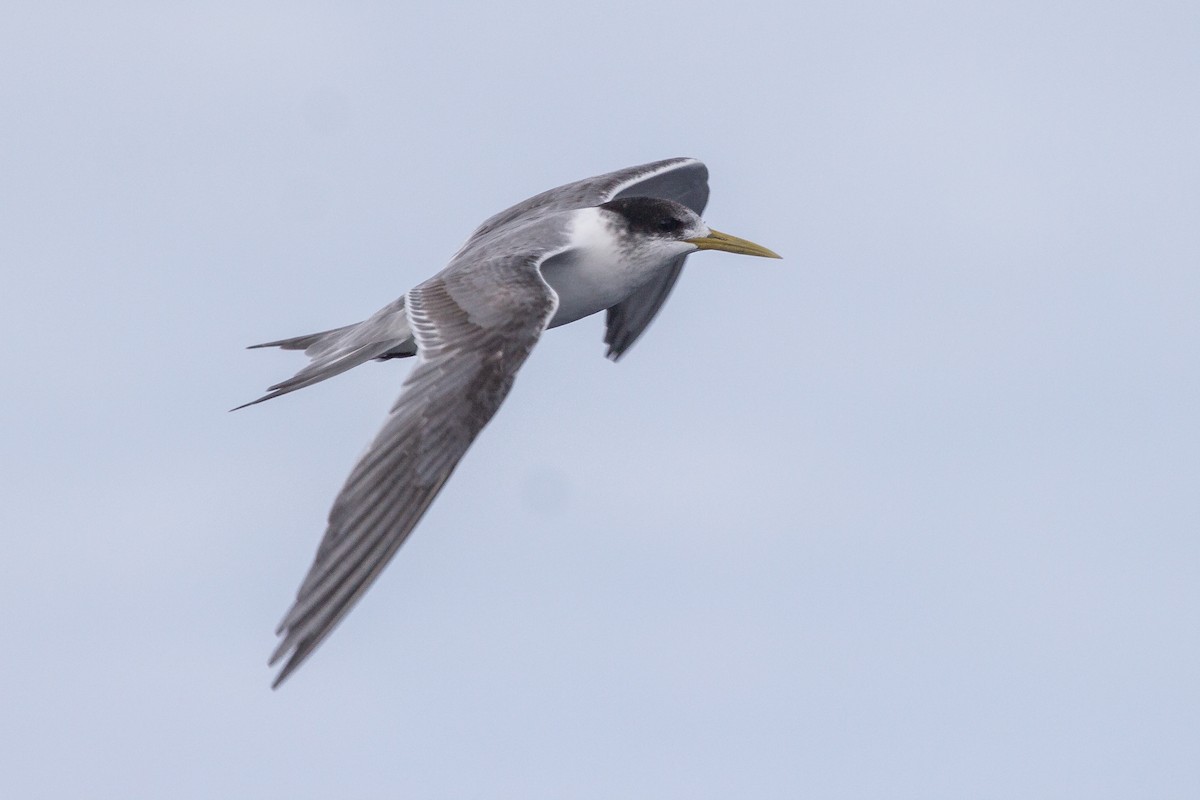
pixel 615 242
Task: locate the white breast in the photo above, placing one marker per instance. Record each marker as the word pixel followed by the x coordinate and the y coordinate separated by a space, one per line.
pixel 596 271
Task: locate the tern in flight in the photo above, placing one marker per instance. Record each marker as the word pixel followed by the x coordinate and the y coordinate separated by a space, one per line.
pixel 614 243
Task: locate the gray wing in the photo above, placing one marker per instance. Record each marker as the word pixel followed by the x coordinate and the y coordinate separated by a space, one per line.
pixel 625 322
pixel 474 326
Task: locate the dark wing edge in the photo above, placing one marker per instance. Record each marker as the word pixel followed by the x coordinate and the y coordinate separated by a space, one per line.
pixel 686 183
pixel 463 374
pixel 628 319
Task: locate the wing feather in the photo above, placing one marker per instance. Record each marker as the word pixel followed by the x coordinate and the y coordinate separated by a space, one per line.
pixel 464 371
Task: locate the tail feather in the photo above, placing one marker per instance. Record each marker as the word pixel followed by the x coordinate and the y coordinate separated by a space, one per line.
pixel 385 334
pixel 305 342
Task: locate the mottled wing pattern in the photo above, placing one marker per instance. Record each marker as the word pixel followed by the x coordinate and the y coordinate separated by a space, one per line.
pixel 474 328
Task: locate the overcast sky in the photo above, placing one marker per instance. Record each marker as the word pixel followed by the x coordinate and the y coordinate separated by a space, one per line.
pixel 913 513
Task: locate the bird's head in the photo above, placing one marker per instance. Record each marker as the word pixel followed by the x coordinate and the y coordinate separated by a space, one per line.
pixel 651 223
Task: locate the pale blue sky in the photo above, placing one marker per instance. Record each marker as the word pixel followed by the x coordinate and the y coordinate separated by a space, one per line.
pixel 912 513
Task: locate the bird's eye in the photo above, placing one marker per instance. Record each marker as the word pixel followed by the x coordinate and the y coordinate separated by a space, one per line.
pixel 669 225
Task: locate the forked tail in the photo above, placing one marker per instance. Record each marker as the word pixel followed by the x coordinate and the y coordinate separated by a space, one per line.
pixel 386 334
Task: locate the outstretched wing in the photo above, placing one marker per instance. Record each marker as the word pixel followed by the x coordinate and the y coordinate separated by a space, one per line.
pixel 474 325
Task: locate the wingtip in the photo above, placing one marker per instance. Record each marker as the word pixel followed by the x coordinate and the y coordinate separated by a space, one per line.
pixel 617 349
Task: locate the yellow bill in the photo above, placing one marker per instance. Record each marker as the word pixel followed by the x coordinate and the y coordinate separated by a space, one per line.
pixel 731 244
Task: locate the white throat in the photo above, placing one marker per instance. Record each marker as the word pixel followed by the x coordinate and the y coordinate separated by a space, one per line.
pixel 601 267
